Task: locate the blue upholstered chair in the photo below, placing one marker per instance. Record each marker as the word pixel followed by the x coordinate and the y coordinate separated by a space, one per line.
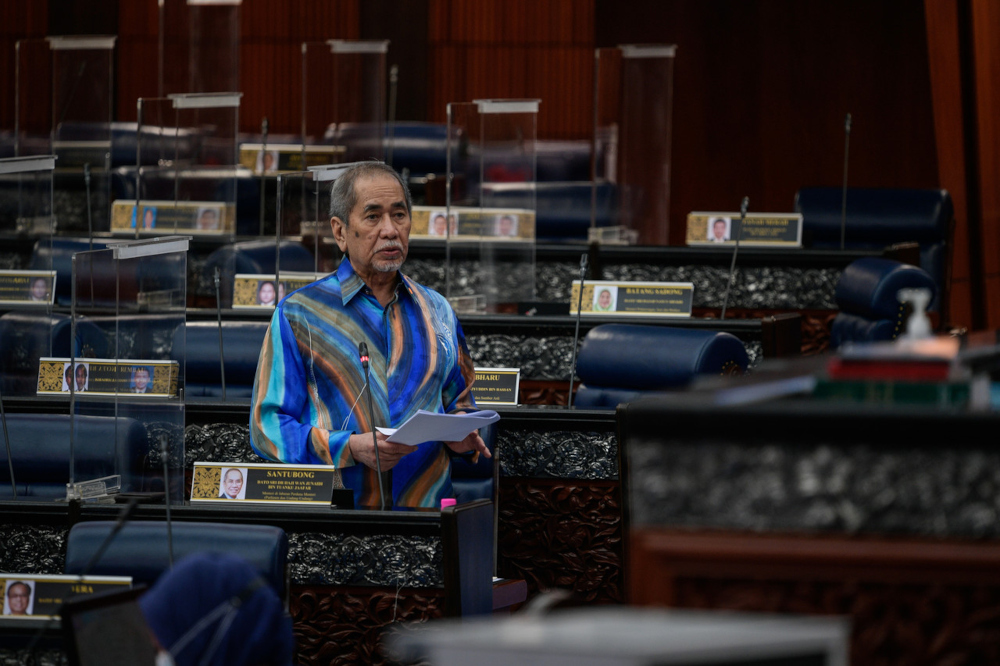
pixel 27 336
pixel 40 451
pixel 140 548
pixel 867 298
pixel 619 362
pixel 256 257
pixel 199 342
pixel 876 218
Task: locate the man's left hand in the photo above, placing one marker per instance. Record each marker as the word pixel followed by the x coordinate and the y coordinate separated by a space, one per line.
pixel 472 442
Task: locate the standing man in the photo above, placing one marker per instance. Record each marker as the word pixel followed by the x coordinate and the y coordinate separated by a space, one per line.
pixel 307 404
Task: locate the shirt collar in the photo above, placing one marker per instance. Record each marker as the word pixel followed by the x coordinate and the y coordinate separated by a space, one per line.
pixel 351 283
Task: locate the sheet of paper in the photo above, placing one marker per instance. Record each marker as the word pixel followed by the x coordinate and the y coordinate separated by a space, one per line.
pixel 430 427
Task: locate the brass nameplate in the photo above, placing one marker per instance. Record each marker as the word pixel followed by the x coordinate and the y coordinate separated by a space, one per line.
pixel 468 223
pixel 39 597
pixel 27 287
pixel 759 230
pixel 264 291
pixel 287 157
pixel 159 218
pixel 496 386
pixel 270 483
pixel 642 299
pixel 108 377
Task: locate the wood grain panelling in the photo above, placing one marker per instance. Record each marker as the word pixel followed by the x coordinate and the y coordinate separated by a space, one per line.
pixel 515 49
pixel 761 90
pixel 986 42
pixel 19 19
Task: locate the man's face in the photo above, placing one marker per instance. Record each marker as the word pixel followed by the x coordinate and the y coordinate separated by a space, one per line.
pixel 604 298
pixel 38 289
pixel 233 483
pixel 377 236
pixel 719 229
pixel 147 218
pixel 506 226
pixel 141 379
pixel 208 220
pixel 81 377
pixel 18 596
pixel 440 225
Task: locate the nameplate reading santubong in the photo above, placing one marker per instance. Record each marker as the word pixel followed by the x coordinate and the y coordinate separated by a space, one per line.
pixel 640 299
pixel 264 483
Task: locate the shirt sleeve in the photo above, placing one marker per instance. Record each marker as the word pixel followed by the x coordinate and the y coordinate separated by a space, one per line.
pixel 281 427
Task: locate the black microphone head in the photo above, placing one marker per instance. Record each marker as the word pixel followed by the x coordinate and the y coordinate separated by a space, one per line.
pixel 745 205
pixel 583 261
pixel 363 353
pixel 847 123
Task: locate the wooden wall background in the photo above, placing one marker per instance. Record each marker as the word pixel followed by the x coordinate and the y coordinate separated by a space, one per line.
pixel 761 88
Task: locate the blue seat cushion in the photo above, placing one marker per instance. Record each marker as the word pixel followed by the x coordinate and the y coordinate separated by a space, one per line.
pixel 140 548
pixel 869 286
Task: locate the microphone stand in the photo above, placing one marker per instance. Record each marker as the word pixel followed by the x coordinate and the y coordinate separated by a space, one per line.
pixel 363 350
pixel 393 87
pixel 6 441
pixel 576 335
pixel 164 455
pixel 263 154
pixel 843 198
pixel 222 351
pixel 90 213
pixel 736 250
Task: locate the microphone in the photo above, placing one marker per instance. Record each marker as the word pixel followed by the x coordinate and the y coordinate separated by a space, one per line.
pixel 263 153
pixel 843 198
pixel 90 213
pixel 576 335
pixel 732 266
pixel 393 88
pixel 363 353
pixel 218 315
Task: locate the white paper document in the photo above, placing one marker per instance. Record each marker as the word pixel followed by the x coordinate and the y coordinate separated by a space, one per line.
pixel 430 427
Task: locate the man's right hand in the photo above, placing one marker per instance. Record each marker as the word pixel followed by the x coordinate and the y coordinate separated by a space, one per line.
pixel 363 450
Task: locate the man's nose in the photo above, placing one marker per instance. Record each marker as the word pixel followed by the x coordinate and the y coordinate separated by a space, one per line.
pixel 386 228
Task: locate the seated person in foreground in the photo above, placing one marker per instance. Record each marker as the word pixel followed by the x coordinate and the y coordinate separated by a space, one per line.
pixel 307 405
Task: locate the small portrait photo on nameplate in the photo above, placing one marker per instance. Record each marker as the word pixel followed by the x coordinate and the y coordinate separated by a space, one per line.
pixel 708 229
pixel 437 223
pixel 496 386
pixel 255 291
pixel 39 597
pixel 172 217
pixel 107 377
pixel 264 483
pixel 27 287
pixel 634 299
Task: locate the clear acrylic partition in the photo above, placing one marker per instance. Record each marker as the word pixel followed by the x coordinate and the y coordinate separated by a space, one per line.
pixel 304 217
pixel 186 168
pixel 26 225
pixel 491 194
pixel 344 96
pixel 198 46
pixel 33 98
pixel 633 115
pixel 82 110
pixel 135 291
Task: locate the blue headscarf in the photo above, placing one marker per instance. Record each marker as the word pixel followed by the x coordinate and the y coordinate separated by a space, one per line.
pixel 214 608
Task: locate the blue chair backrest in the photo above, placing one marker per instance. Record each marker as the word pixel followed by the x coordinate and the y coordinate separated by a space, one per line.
pixel 199 342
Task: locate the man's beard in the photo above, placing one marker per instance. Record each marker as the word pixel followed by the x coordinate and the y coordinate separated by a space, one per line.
pixel 389 266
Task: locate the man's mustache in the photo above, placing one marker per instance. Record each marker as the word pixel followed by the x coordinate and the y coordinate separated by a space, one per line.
pixel 389 245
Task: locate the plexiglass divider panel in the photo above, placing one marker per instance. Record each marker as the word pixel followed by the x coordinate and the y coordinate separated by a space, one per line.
pixel 28 281
pixel 344 97
pixel 198 46
pixel 134 292
pixel 633 113
pixel 186 168
pixel 32 98
pixel 490 205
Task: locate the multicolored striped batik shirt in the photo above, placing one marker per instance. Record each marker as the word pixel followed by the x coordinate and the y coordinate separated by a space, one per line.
pixel 309 376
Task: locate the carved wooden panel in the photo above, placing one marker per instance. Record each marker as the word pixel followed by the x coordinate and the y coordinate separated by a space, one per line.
pixel 347 625
pixel 910 602
pixel 563 534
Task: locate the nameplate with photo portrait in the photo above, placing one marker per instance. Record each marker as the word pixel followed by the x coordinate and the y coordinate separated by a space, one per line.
pixel 275 158
pixel 496 386
pixel 33 596
pixel 468 223
pixel 251 290
pixel 633 299
pixel 165 218
pixel 265 483
pixel 758 230
pixel 27 287
pixel 101 377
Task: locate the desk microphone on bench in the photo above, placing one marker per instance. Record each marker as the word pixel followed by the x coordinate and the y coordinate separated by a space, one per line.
pixel 843 196
pixel 736 249
pixel 363 353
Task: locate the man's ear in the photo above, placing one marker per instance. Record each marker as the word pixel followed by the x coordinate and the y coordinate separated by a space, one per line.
pixel 339 233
